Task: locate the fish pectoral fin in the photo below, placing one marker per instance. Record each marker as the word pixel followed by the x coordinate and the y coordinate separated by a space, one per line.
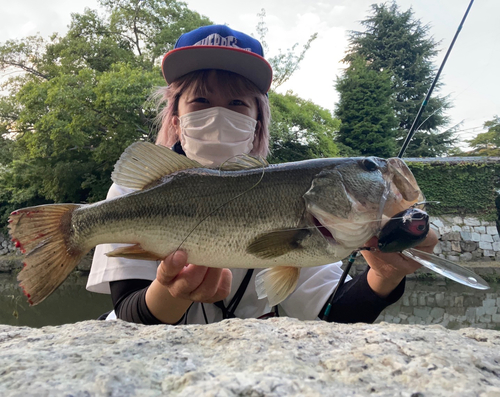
pixel 274 244
pixel 276 283
pixel 142 164
pixel 134 252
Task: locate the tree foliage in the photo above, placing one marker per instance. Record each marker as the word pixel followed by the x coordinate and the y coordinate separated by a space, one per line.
pixel 300 129
pixel 395 42
pixel 368 121
pixel 81 99
pixel 487 143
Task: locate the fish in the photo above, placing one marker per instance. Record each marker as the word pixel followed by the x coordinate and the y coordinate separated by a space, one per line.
pixel 243 214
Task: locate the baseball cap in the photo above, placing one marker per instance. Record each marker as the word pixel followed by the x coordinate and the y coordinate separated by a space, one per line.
pixel 218 47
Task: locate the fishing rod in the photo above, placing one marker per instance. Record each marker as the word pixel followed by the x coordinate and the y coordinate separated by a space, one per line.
pixel 408 138
pixel 426 100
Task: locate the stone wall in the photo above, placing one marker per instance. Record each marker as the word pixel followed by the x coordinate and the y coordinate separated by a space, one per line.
pixel 6 246
pixel 466 238
pixel 446 303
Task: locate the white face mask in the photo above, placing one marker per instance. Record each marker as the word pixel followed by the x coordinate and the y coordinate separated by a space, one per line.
pixel 213 136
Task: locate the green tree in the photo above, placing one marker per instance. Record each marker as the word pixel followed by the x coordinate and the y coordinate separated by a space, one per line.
pixel 300 129
pixel 81 99
pixel 368 121
pixel 397 42
pixel 487 143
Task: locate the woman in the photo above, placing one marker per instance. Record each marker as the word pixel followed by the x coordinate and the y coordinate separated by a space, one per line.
pixel 217 108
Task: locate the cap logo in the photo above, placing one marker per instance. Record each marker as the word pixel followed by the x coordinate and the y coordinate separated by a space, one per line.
pixel 216 39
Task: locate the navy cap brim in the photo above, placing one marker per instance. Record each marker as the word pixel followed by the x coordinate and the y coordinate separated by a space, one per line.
pixel 181 61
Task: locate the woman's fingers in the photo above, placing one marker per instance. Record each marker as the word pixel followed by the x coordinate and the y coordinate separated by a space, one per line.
pixel 170 267
pixel 192 282
pixel 188 280
pixel 429 243
pixel 213 287
pixel 393 264
pixel 223 288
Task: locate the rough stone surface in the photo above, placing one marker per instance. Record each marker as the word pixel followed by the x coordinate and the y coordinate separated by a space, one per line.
pixel 465 235
pixel 455 246
pixel 467 256
pixel 492 230
pixel 437 222
pixel 469 221
pixel 276 357
pixel 485 246
pixel 451 236
pixel 487 238
pixel 475 237
pixel 468 246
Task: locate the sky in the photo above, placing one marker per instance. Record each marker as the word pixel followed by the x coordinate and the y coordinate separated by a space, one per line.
pixel 470 77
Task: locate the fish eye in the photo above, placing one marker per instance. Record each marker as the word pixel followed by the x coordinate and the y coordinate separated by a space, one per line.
pixel 369 164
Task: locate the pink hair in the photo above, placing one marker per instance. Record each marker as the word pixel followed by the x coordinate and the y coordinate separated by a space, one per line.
pixel 232 84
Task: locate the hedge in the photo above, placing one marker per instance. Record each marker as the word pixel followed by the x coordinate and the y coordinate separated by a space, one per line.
pixel 462 188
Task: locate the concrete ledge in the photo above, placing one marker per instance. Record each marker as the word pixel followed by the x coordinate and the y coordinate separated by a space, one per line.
pixel 277 357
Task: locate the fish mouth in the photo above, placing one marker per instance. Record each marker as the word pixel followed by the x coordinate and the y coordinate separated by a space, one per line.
pixel 324 230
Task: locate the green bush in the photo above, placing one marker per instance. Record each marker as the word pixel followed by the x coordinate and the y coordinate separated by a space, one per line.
pixel 462 188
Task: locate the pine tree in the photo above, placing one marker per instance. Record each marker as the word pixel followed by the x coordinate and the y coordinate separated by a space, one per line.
pixel 367 118
pixel 396 42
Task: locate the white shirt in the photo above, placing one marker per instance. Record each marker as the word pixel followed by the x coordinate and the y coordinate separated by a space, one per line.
pixel 314 287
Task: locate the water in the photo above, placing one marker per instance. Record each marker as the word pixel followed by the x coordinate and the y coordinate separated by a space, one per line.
pixel 424 302
pixel 70 303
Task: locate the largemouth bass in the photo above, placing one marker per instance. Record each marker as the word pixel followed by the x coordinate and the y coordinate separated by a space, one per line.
pixel 280 217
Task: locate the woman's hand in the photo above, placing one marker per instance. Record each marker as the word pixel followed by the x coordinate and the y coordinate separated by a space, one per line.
pixel 179 284
pixel 388 269
pixel 192 282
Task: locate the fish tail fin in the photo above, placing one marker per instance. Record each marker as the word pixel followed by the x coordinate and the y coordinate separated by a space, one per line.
pixel 42 234
pixel 276 283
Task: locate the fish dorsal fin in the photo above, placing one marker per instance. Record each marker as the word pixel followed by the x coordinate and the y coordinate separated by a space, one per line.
pixel 143 163
pixel 243 162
